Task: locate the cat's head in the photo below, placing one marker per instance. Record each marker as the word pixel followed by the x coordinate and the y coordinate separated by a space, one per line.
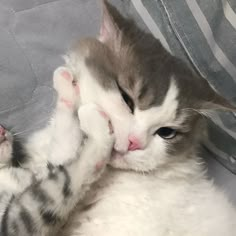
pixel 165 97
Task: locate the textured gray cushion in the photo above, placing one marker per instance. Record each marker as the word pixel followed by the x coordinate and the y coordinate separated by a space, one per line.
pixel 35 33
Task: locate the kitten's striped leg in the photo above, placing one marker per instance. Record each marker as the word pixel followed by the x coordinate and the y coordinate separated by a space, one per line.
pixel 45 205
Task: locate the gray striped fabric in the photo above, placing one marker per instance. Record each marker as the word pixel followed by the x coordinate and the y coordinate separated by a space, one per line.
pixel 202 33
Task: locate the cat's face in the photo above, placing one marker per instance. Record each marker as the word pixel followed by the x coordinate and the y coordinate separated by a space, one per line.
pixel 152 98
pixel 163 95
pixel 160 93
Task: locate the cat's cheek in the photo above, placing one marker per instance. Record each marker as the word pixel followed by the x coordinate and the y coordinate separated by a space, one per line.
pixel 159 152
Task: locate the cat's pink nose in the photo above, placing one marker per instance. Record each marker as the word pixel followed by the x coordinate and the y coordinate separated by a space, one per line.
pixel 2 131
pixel 134 143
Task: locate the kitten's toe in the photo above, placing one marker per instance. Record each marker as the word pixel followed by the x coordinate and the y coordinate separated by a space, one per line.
pixel 63 73
pixel 65 86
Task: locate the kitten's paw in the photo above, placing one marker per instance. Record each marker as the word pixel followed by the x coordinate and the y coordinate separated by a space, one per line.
pixel 5 146
pixel 95 123
pixel 67 89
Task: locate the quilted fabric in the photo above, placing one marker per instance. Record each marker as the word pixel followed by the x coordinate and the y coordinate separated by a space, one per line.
pixel 34 36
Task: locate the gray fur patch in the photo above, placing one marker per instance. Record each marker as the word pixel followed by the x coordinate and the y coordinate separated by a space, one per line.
pixel 40 195
pixel 66 191
pixel 50 218
pixel 99 60
pixel 27 221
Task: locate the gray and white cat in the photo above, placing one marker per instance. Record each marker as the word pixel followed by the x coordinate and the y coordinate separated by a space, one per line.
pixel 156 184
pixel 42 180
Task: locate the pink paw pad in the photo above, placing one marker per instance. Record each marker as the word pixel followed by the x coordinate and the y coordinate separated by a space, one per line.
pixel 68 103
pixel 67 75
pixel 103 114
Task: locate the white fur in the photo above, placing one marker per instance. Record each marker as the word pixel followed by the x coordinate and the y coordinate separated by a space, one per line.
pixel 135 204
pixel 110 101
pixel 58 142
pixel 167 196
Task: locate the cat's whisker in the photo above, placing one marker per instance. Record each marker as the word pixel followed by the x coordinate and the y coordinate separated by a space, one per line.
pixel 22 132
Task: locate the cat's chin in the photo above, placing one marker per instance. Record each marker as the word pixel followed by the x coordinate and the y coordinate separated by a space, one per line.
pixel 127 162
pixel 122 161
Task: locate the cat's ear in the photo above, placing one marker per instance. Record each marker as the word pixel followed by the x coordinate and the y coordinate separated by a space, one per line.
pixel 213 101
pixel 110 29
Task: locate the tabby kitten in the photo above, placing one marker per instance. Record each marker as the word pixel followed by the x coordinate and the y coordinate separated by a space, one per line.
pixel 41 183
pixel 156 184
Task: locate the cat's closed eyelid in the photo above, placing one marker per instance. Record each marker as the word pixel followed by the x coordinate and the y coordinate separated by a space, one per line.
pixel 128 100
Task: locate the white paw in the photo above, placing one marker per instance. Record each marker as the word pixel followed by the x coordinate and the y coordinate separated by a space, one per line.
pixel 95 123
pixel 66 89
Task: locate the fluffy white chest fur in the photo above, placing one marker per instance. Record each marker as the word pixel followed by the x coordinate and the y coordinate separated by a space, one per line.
pixel 127 203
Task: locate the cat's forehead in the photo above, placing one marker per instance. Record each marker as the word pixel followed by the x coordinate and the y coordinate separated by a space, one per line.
pixel 162 90
pixel 173 111
pixel 165 113
pixel 148 72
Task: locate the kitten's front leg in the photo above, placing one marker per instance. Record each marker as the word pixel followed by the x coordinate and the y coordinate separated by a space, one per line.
pixel 59 141
pixel 45 205
pixel 99 143
pixel 66 134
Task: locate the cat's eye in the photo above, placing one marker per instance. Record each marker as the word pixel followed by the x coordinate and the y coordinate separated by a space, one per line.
pixel 166 132
pixel 128 100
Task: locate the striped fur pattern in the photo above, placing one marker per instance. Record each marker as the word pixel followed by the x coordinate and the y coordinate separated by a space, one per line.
pixel 56 166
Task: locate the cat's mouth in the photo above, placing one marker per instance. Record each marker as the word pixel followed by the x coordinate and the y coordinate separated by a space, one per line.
pixel 122 161
pixel 121 155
